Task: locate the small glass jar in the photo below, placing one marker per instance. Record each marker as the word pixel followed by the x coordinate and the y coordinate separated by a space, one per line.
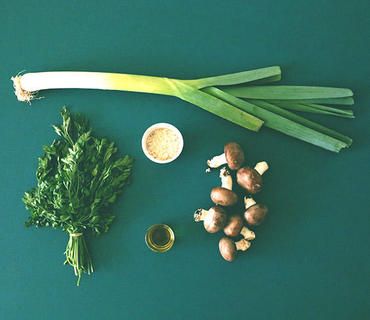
pixel 159 238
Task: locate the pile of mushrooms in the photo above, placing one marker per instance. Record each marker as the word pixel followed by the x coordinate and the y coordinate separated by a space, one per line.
pixel 217 218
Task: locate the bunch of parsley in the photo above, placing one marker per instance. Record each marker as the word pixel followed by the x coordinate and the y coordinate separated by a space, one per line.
pixel 78 178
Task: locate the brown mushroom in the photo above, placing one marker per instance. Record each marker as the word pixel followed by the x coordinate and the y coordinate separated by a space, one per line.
pixel 234 227
pixel 213 219
pixel 255 213
pixel 229 248
pixel 224 195
pixel 233 156
pixel 251 178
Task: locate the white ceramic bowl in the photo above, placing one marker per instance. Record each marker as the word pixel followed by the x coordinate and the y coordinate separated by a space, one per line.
pixel 159 126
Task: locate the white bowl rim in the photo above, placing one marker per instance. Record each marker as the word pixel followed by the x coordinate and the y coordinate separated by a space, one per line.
pixel 157 126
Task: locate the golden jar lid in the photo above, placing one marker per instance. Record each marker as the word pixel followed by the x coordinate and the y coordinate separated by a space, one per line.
pixel 159 238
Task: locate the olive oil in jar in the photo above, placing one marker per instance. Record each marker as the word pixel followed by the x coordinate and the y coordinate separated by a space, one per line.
pixel 160 238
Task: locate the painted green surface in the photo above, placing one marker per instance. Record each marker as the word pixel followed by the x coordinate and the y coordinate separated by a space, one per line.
pixel 310 259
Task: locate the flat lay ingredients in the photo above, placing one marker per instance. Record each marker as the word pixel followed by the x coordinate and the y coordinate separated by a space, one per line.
pixel 242 98
pixel 218 218
pixel 79 177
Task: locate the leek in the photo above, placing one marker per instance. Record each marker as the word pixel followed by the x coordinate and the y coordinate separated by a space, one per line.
pixel 224 102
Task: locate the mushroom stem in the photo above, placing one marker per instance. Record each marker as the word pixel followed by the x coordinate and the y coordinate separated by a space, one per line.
pixel 247 234
pixel 242 245
pixel 248 202
pixel 217 161
pixel 200 215
pixel 226 179
pixel 261 167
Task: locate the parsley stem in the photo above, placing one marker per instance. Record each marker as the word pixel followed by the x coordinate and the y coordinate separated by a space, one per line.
pixel 77 255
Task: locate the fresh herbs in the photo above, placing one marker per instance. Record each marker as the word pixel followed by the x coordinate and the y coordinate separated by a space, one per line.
pixel 266 104
pixel 78 178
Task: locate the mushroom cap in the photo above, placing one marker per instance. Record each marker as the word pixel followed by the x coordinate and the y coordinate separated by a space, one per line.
pixel 233 226
pixel 227 249
pixel 249 179
pixel 234 155
pixel 215 219
pixel 255 214
pixel 223 196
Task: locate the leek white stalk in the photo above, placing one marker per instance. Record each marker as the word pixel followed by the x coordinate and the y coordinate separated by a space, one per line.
pixel 27 85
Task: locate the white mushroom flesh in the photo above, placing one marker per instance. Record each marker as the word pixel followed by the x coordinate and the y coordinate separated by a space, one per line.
pixel 226 179
pixel 242 245
pixel 248 202
pixel 247 234
pixel 261 167
pixel 217 161
pixel 200 215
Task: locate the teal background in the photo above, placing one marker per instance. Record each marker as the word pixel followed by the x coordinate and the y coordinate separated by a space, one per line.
pixel 311 259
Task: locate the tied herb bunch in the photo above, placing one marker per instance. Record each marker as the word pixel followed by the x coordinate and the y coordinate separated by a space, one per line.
pixel 78 178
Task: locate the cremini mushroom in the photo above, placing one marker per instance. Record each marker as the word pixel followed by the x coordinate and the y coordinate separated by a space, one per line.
pixel 213 219
pixel 235 227
pixel 224 195
pixel 251 178
pixel 254 213
pixel 233 156
pixel 229 248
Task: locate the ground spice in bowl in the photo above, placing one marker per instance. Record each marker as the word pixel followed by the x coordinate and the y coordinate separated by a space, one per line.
pixel 162 143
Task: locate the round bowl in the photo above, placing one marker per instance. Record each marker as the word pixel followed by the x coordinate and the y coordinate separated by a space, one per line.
pixel 160 126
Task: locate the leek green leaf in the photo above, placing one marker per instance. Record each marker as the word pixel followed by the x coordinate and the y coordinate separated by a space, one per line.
pixel 266 74
pixel 281 123
pixel 287 92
